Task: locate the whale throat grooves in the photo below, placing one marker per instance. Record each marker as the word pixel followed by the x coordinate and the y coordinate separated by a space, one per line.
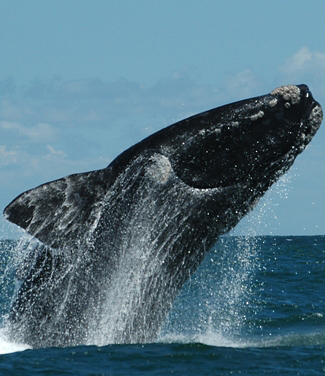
pixel 115 246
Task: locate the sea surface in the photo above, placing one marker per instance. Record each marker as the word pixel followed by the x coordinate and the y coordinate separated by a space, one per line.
pixel 256 306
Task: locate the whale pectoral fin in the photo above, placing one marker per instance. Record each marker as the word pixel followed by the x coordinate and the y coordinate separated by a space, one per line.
pixel 57 213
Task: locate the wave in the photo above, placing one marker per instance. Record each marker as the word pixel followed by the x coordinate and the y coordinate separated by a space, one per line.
pixel 211 339
pixel 219 340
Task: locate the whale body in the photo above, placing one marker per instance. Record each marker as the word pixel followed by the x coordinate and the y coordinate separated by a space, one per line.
pixel 116 245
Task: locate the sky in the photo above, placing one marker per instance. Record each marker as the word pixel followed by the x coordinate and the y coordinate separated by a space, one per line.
pixel 81 81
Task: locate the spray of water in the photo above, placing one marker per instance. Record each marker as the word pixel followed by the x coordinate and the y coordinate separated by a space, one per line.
pixel 216 305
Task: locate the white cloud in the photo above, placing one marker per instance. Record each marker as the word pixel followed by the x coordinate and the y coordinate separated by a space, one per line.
pixel 13 109
pixel 7 157
pixel 41 132
pixel 98 103
pixel 306 67
pixel 53 151
pixel 305 64
pixel 38 133
pixel 298 61
pixel 242 84
pixel 6 153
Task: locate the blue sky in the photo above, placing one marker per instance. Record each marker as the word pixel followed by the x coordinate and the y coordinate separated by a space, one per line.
pixel 80 81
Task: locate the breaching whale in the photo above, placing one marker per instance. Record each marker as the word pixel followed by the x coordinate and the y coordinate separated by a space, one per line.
pixel 116 245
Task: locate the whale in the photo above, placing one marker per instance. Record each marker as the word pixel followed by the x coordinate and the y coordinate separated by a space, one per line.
pixel 112 248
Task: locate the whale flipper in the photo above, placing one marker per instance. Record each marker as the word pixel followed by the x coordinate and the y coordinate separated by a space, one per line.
pixel 76 195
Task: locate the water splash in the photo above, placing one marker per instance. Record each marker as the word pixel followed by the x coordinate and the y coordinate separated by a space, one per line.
pixel 224 287
pixel 215 303
pixel 7 346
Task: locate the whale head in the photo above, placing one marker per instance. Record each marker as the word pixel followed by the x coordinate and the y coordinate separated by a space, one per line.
pixel 235 152
pixel 248 142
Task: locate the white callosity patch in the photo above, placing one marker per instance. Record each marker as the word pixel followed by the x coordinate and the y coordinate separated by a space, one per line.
pixel 273 102
pixel 315 119
pixel 290 93
pixel 257 116
pixel 313 123
pixel 250 111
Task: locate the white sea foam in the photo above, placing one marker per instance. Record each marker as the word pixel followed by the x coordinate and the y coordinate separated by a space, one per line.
pixel 213 338
pixel 207 338
pixel 7 346
pixel 217 339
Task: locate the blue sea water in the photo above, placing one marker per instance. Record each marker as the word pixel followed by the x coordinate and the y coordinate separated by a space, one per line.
pixel 256 306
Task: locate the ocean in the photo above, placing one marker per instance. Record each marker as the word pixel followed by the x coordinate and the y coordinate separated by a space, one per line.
pixel 256 306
